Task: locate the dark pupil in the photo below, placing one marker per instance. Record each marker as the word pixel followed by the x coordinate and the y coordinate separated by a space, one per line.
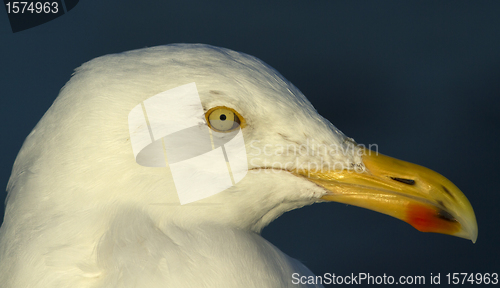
pixel 222 117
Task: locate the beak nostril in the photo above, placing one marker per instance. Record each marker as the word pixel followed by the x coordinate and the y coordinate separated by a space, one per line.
pixel 403 180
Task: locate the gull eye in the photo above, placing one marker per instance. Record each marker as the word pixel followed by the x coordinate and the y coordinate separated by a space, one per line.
pixel 223 119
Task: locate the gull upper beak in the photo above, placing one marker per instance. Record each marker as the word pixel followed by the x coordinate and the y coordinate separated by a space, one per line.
pixel 412 193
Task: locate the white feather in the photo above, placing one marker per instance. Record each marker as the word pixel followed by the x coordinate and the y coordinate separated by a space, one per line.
pixel 82 213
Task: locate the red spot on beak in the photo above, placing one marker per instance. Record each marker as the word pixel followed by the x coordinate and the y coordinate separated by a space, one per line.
pixel 427 218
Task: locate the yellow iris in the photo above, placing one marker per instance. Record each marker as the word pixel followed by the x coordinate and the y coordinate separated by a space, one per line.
pixel 223 119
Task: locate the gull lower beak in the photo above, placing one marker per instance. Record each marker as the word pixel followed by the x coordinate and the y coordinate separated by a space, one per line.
pixel 412 193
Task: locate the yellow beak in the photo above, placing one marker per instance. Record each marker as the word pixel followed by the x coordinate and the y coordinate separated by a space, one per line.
pixel 412 193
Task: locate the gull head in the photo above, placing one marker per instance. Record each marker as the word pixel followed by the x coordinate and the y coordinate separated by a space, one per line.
pixel 78 164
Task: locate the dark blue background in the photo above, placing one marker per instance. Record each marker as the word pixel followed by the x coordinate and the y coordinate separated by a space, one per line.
pixel 419 78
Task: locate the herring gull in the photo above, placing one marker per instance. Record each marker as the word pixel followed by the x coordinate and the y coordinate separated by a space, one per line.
pixel 82 211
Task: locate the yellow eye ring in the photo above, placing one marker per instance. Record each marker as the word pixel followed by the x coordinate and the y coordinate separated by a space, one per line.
pixel 224 119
